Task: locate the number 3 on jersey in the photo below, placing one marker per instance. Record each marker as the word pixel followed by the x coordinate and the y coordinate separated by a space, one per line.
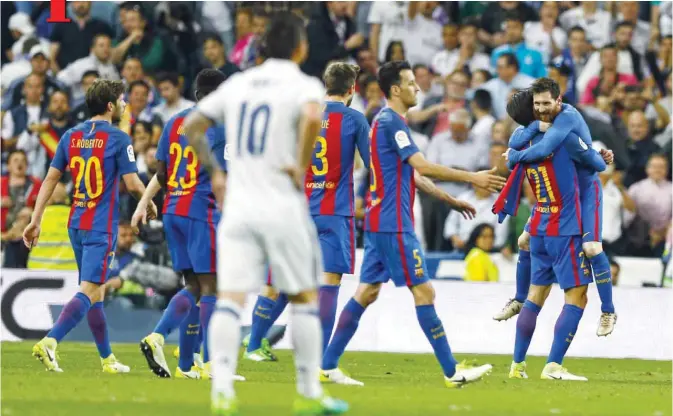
pixel 256 124
pixel 321 154
pixel 82 170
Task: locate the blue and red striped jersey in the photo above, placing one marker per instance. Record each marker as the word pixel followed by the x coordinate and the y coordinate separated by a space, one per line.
pixel 554 181
pixel 329 179
pixel 189 192
pixel 97 155
pixel 391 178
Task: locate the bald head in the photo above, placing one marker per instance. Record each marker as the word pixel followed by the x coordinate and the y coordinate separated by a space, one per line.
pixel 638 126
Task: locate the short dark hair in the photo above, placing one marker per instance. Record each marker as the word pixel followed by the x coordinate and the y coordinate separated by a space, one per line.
pixel 389 49
pixel 546 85
pixel 511 59
pixel 212 36
pixel 102 92
pixel 207 81
pixel 171 77
pixel 283 36
pixel 469 21
pixel 139 83
pixel 622 24
pixel 482 99
pixel 610 45
pixel 99 35
pixel 513 17
pixel 419 66
pixel 60 91
pixel 146 124
pixel 339 77
pixel 15 151
pixel 520 107
pixel 576 29
pixel 90 72
pixel 389 75
pixel 485 72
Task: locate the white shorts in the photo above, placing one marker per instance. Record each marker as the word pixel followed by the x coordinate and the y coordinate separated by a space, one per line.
pixel 285 239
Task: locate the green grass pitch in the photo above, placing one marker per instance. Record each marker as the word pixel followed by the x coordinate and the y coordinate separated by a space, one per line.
pixel 396 384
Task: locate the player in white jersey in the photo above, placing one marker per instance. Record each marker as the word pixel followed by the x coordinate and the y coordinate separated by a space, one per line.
pixel 272 115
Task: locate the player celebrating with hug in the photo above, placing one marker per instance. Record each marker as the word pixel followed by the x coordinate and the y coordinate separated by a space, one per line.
pixel 392 250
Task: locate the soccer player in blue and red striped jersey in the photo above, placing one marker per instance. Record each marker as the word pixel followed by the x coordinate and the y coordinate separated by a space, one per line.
pixel 555 228
pixel 563 120
pixel 392 250
pixel 97 154
pixel 330 192
pixel 190 217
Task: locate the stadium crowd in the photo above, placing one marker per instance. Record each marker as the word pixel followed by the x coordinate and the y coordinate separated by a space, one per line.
pixel 612 60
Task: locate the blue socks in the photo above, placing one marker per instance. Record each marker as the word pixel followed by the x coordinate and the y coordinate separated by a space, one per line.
pixel 189 336
pixel 327 296
pixel 434 331
pixel 72 313
pixel 261 321
pixel 278 309
pixel 177 310
pixel 207 308
pixel 348 324
pixel 525 327
pixel 522 276
pixel 603 278
pixel 564 332
pixel 98 327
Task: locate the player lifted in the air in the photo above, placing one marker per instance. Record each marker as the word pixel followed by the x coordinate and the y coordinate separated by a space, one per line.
pixel 566 119
pixel 329 190
pixel 392 250
pixel 555 228
pixel 273 114
pixel 190 219
pixel 97 154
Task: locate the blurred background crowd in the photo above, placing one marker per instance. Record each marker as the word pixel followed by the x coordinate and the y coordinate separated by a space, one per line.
pixel 612 60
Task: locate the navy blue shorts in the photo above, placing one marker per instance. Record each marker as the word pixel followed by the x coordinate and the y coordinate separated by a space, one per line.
pixel 559 259
pixel 396 256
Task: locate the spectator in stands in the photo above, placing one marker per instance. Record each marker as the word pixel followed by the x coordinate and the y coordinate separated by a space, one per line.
pixel 640 149
pixel 174 102
pixel 559 72
pixel 615 270
pixel 466 58
pixel 479 78
pixel 480 107
pixel 653 197
pixel 596 23
pixel 545 35
pixel 215 54
pixel 20 67
pixel 638 99
pixel 55 249
pixel 99 60
pixel 140 41
pixel 152 164
pixel 19 193
pixel 141 133
pixel 39 62
pixel 81 112
pixel 22 119
pixel 71 41
pixel 454 148
pixel 244 36
pixel 388 23
pixel 438 109
pixel 493 20
pixel 479 267
pixel 373 97
pixel 658 58
pixel 425 35
pixel 331 36
pixel 395 51
pixel 530 60
pixel 628 12
pixel 22 29
pixel 260 21
pixel 608 77
pixel 367 61
pixel 618 210
pixel 458 230
pixel 219 16
pixel 425 84
pixel 509 79
pixel 500 132
pixel 495 159
pixel 137 109
pixel 40 145
pixel 574 57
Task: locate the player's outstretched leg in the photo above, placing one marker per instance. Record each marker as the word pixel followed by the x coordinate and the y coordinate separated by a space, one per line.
pixel 328 295
pixel 307 344
pixel 189 336
pixel 424 297
pixel 564 333
pixel 152 346
pixel 523 276
pixel 603 278
pixel 348 323
pixel 98 326
pixel 71 315
pixel 270 305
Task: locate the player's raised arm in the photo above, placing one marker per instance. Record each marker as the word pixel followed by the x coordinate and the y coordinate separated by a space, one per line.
pixel 484 179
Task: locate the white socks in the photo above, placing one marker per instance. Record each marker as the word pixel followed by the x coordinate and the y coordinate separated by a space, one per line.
pixel 224 341
pixel 307 343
